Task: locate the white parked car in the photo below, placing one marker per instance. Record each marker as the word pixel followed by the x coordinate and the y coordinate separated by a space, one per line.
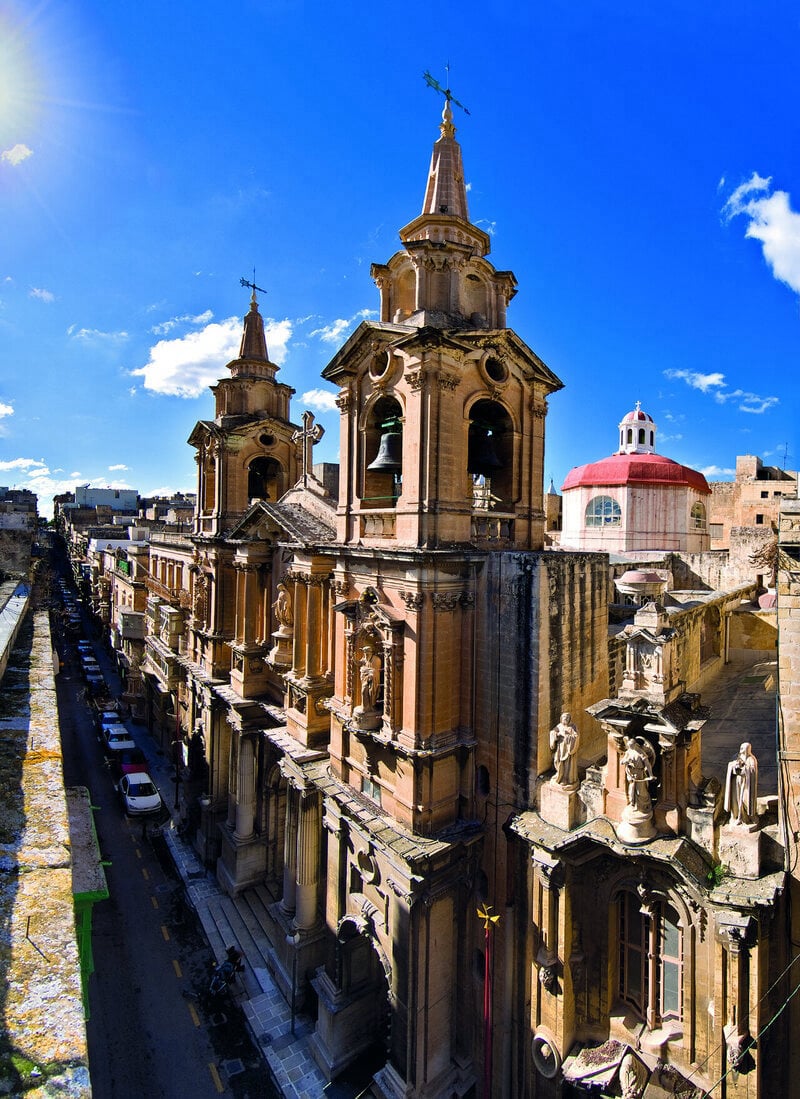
pixel 117 739
pixel 139 793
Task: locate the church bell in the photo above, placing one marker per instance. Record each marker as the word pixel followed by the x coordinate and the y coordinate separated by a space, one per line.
pixel 390 452
pixel 482 457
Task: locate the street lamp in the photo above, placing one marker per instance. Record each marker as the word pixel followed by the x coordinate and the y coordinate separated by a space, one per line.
pixel 294 941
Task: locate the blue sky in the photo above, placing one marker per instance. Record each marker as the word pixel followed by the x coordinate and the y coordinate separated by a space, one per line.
pixel 636 165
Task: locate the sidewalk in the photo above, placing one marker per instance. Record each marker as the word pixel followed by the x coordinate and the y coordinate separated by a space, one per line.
pixel 236 922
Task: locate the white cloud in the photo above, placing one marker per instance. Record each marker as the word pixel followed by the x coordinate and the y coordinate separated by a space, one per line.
pixel 120 465
pixel 717 471
pixel 6 410
pixel 24 465
pixel 320 400
pixel 747 402
pixel 15 155
pixel 186 366
pixel 773 222
pixel 716 385
pixel 41 294
pixel 167 326
pixel 489 226
pixel 95 334
pixel 333 332
pixel 703 382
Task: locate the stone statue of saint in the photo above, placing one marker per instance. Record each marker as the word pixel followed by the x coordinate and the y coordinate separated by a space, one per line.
pixel 638 760
pixel 370 675
pixel 283 608
pixel 564 740
pixel 741 787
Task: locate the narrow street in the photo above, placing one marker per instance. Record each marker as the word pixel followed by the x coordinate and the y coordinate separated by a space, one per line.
pixel 153 1030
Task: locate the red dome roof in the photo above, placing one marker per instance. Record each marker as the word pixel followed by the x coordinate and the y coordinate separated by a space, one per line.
pixel 637 416
pixel 625 469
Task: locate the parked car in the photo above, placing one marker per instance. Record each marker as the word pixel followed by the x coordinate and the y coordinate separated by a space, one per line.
pixel 107 717
pixel 95 683
pixel 139 793
pixel 112 726
pixel 118 740
pixel 126 762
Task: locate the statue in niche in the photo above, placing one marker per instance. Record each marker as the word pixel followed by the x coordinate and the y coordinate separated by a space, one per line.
pixel 283 609
pixel 370 676
pixel 741 787
pixel 638 759
pixel 564 741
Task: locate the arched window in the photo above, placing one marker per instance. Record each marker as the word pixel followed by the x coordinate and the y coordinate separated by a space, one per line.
pixel 641 436
pixel 652 438
pixel 650 959
pixel 603 511
pixel 490 455
pixel 263 479
pixel 697 518
pixel 630 434
pixel 383 452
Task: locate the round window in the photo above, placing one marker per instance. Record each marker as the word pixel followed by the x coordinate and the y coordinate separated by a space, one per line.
pixel 266 440
pixel 496 370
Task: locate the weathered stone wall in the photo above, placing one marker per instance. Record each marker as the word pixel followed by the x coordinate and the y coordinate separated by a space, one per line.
pixel 753 630
pixel 789 732
pixel 543 625
pixel 40 989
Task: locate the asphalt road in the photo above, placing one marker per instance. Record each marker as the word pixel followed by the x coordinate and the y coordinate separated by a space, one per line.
pixel 153 1031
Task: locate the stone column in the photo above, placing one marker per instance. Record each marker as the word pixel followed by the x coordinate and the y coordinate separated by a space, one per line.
pixel 246 790
pixel 289 899
pixel 300 626
pixel 313 658
pixel 735 936
pixel 308 841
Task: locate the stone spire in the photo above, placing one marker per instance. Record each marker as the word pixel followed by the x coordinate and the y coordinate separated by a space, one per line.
pixel 254 343
pixel 446 192
pixel 253 357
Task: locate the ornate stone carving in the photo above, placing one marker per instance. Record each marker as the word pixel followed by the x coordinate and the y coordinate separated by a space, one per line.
pixel 416 378
pixel 344 402
pixel 445 600
pixel 340 587
pixel 467 599
pixel 413 599
pixel 448 382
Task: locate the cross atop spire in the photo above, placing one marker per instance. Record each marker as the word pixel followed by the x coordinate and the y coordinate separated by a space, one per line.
pixel 253 287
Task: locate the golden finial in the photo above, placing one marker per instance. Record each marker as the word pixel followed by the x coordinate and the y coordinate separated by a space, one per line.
pixel 485 914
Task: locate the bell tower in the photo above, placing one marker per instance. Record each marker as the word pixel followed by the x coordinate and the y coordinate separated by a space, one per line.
pixel 443 406
pixel 246 452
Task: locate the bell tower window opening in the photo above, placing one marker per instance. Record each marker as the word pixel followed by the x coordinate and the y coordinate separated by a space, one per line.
pixel 641 436
pixel 263 479
pixel 383 450
pixel 490 455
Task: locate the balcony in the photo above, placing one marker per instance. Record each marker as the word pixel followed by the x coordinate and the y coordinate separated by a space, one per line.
pixel 131 625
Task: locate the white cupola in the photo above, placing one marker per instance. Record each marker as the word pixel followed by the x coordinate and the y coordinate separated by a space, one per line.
pixel 637 432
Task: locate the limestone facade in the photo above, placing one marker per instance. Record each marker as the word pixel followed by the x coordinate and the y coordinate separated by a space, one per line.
pixel 752 499
pixel 360 693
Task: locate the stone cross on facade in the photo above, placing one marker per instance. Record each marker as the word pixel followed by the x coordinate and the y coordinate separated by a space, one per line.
pixel 308 435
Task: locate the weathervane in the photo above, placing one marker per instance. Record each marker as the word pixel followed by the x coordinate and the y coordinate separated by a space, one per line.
pixel 437 87
pixel 252 285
